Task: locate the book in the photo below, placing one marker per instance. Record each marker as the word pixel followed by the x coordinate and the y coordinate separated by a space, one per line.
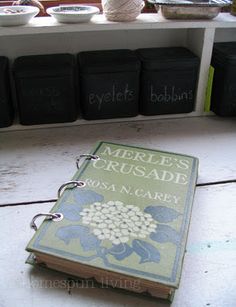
pixel 127 227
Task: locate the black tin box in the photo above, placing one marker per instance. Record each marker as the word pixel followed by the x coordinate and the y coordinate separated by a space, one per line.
pixel 6 107
pixel 168 80
pixel 223 98
pixel 46 88
pixel 109 83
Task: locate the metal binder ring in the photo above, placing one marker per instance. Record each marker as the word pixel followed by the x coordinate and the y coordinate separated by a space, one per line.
pixel 86 157
pixel 70 185
pixel 56 217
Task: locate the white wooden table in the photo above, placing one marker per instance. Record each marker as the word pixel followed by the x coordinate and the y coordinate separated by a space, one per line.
pixel 34 163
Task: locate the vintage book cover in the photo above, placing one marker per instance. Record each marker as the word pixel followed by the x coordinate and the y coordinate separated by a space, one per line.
pixel 128 225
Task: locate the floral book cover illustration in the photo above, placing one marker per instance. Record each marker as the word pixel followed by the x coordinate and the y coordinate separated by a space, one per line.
pixel 130 220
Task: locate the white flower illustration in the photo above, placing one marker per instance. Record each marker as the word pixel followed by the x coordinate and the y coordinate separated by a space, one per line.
pixel 118 222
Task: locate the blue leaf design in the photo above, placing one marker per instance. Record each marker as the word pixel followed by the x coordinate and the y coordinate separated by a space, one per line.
pixel 162 214
pixel 87 197
pixel 71 211
pixel 120 251
pixel 88 241
pixel 165 233
pixel 146 251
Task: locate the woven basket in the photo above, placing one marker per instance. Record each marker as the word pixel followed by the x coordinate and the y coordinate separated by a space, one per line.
pixel 122 10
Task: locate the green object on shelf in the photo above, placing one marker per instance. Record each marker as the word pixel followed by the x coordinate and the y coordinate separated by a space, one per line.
pixel 207 106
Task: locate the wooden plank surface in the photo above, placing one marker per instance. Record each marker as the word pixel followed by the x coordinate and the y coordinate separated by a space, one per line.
pixel 208 277
pixel 34 163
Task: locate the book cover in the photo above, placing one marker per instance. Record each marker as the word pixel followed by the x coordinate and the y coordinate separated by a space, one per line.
pixel 130 219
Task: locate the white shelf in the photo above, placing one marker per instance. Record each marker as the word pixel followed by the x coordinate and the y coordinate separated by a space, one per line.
pixel 18 127
pixel 42 25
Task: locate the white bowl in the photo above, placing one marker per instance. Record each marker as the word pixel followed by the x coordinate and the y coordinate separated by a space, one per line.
pixel 73 13
pixel 17 15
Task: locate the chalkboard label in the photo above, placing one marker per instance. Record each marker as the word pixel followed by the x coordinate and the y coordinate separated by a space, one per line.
pixel 46 100
pixel 109 95
pixel 46 88
pixel 109 83
pixel 170 94
pixel 115 95
pixel 168 80
pixel 48 91
pixel 167 92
